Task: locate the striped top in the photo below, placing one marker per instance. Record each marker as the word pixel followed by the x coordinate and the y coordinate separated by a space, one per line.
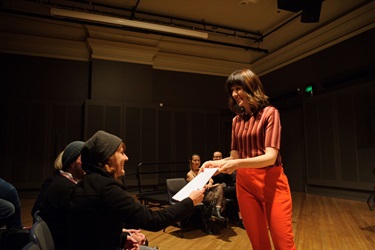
pixel 251 137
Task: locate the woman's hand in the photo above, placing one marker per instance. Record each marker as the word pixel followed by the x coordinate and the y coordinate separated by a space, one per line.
pixel 131 244
pixel 228 167
pixel 207 164
pixel 140 237
pixel 136 234
pixel 197 196
pixel 211 164
pixel 131 231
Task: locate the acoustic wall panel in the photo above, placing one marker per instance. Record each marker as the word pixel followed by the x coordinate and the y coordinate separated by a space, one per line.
pixel 347 139
pixel 326 138
pixel 312 141
pixel 166 150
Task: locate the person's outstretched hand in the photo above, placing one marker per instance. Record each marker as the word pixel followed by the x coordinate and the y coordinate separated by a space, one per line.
pixel 197 196
pixel 211 164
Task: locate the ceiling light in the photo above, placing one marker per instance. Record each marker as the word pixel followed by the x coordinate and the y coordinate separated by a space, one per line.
pixel 125 22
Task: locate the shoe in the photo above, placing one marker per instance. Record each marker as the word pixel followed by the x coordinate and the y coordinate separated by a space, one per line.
pixel 216 214
pixel 241 225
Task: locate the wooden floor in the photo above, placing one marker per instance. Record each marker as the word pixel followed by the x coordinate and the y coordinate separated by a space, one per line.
pixel 319 222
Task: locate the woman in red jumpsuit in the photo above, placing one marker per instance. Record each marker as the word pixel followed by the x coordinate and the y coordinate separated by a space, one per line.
pixel 263 190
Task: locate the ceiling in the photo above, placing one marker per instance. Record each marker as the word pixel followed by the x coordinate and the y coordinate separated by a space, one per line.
pixel 252 33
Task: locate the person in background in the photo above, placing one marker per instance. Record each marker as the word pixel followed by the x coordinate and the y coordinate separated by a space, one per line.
pixel 228 181
pixel 214 192
pixel 217 155
pixel 262 187
pixel 53 208
pixel 10 206
pixel 101 203
pixel 74 169
pixel 230 186
pixel 46 183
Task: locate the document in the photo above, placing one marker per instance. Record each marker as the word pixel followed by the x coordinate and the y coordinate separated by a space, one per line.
pixel 197 183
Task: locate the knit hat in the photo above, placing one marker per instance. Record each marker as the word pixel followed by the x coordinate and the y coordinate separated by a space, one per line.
pixel 99 148
pixel 71 153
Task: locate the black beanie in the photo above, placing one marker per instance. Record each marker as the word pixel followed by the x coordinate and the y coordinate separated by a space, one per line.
pixel 99 148
pixel 71 153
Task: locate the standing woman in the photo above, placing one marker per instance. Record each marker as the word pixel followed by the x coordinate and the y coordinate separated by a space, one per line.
pixel 262 187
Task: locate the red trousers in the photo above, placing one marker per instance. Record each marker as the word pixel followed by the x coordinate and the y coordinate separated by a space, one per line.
pixel 265 203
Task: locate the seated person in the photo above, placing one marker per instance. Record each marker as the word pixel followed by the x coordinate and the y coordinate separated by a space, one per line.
pixel 10 206
pixel 214 192
pixel 54 203
pixel 46 183
pixel 68 167
pixel 229 183
pixel 101 203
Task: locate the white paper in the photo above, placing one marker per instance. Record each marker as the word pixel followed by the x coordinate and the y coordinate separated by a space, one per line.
pixel 195 184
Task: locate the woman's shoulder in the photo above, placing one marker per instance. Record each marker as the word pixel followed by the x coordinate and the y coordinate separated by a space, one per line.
pixel 269 111
pixel 270 108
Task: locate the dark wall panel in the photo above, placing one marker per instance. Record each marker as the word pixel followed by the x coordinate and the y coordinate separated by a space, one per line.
pixel 292 148
pixel 312 142
pixel 131 138
pixel 198 134
pixel 348 154
pixel 37 135
pixel 212 134
pixel 94 119
pixel 43 78
pixel 121 81
pixel 326 136
pixel 166 150
pixel 189 90
pixel 113 119
pixel 346 141
pixel 338 61
pixel 149 142
pixel 182 136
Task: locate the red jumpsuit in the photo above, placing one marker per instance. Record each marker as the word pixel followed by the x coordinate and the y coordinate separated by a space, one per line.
pixel 263 194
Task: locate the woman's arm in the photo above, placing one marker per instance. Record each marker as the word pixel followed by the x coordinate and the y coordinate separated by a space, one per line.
pixel 261 161
pixel 189 176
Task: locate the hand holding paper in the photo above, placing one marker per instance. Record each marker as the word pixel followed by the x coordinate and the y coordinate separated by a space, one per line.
pixel 196 184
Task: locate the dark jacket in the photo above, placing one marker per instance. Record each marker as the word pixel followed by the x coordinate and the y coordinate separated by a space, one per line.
pixel 54 209
pixel 100 207
pixel 42 193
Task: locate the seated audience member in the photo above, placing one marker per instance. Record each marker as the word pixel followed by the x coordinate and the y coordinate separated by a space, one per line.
pixel 10 206
pixel 214 194
pixel 75 170
pixel 46 183
pixel 102 204
pixel 13 234
pixel 54 206
pixel 229 182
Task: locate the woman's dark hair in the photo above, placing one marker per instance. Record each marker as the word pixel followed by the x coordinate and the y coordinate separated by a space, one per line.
pixel 252 85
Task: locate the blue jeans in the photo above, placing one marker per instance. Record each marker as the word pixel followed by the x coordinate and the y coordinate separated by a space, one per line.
pixel 10 206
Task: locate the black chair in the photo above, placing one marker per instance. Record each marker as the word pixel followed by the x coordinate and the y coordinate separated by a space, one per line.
pixel 174 185
pixel 41 236
pixel 31 246
pixel 36 216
